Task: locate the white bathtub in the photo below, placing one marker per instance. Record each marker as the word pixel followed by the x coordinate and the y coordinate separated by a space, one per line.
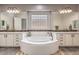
pixel 37 45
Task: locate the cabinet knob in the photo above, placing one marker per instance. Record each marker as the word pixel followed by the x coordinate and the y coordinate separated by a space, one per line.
pixel 5 35
pixel 72 35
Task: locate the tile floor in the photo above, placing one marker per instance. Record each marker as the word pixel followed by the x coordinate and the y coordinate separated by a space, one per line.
pixel 62 51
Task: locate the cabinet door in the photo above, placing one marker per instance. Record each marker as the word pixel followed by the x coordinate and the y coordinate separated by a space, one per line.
pixel 67 40
pixel 9 39
pixel 2 39
pixel 76 40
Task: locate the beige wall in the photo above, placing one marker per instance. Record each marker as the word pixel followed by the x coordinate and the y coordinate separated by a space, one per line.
pixel 68 19
pixel 56 20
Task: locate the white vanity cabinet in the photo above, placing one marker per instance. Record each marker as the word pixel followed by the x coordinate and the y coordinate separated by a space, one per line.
pixel 68 39
pixel 6 39
pixel 65 39
pixel 10 39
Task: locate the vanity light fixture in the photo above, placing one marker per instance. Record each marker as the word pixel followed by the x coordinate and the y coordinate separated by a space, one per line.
pixel 13 10
pixel 66 10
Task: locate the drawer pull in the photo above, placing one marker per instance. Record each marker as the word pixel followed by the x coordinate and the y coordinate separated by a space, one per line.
pixel 17 40
pixel 17 43
pixel 61 40
pixel 61 43
pixel 73 35
pixel 61 37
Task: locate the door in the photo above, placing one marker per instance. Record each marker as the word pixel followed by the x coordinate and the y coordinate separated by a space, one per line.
pixel 9 39
pixel 2 39
pixel 67 39
pixel 76 40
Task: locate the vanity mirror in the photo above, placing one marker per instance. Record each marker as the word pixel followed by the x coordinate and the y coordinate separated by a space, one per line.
pixel 76 24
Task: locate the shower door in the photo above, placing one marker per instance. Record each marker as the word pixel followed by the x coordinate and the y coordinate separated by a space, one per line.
pixel 39 20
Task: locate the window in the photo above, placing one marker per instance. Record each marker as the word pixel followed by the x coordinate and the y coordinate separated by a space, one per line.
pixel 39 20
pixel 35 17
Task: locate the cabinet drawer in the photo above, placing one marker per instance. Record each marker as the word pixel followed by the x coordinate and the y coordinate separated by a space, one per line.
pixel 16 41
pixel 16 44
pixel 61 44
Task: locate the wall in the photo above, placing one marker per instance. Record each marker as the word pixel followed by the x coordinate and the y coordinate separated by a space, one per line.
pixel 68 19
pixel 56 20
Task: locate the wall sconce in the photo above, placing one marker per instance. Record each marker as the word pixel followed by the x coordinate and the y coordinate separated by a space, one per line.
pixel 13 10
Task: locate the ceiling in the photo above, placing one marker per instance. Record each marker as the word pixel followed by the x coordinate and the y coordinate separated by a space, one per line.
pixel 51 7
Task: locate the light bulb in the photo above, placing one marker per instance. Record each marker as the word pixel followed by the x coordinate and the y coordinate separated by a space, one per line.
pixel 17 11
pixel 13 11
pixel 7 11
pixel 62 11
pixel 65 11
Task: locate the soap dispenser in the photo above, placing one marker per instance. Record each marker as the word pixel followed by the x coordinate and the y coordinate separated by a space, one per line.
pixel 70 27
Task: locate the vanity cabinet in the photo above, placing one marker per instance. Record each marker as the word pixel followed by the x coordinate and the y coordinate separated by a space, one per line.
pixel 65 39
pixel 6 39
pixel 10 39
pixel 68 39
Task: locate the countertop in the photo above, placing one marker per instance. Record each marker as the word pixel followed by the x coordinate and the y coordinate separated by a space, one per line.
pixel 38 30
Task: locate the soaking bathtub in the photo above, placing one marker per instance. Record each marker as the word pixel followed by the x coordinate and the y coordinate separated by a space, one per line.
pixel 39 45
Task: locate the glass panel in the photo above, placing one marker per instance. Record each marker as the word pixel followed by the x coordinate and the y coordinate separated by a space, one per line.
pixel 39 22
pixel 39 17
